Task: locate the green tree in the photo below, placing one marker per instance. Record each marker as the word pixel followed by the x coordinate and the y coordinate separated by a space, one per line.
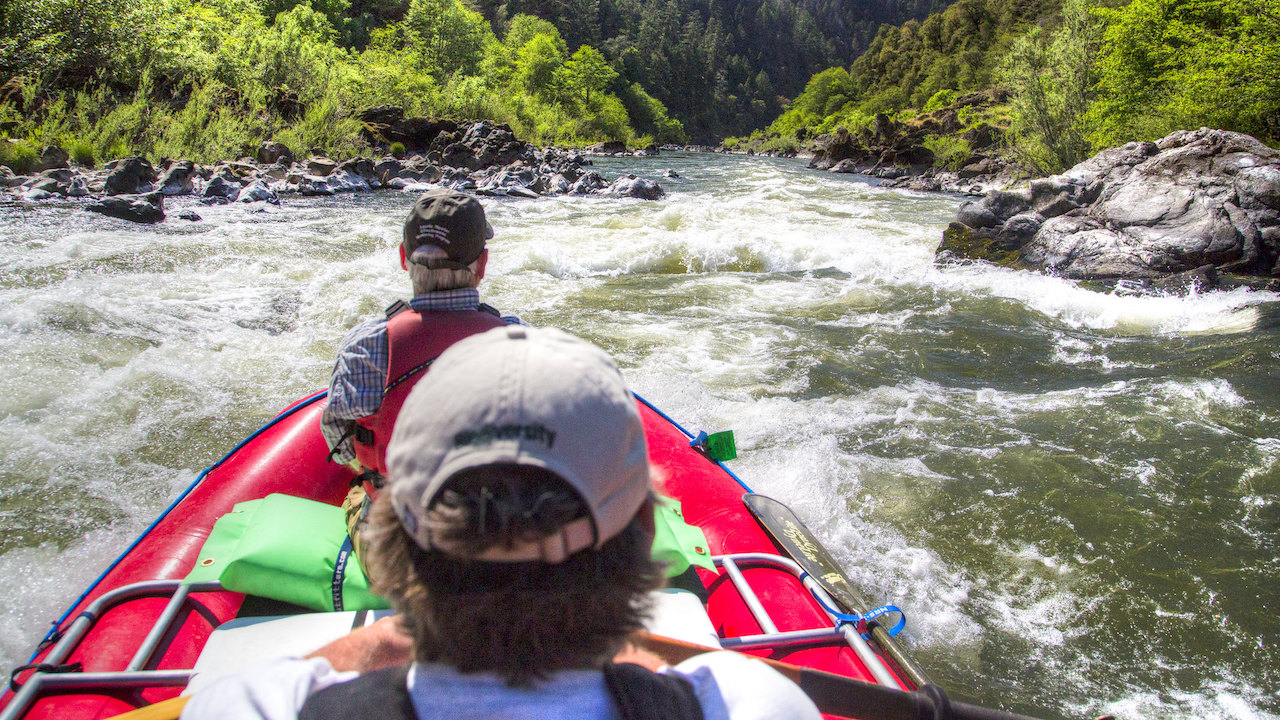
pixel 450 37
pixel 1052 80
pixel 537 62
pixel 586 72
pixel 1173 64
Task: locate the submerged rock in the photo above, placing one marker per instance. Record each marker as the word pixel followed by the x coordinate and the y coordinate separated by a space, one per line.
pixel 1194 200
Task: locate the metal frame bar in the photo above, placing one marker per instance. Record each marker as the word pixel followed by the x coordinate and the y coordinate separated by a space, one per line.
pixel 771 638
pixel 39 683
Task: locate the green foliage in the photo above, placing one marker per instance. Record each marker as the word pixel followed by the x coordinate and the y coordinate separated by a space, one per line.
pixel 949 151
pixel 211 79
pixel 1175 64
pixel 396 150
pixel 939 100
pixel 537 65
pixel 19 155
pixel 215 124
pixel 1051 80
pixel 586 72
pixel 82 152
pixel 524 28
pixel 449 37
pixel 650 117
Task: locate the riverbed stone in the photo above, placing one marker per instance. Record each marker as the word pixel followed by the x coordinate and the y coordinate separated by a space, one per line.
pixel 178 179
pixel 635 187
pixel 258 191
pixel 148 208
pixel 320 166
pixel 52 156
pixel 129 176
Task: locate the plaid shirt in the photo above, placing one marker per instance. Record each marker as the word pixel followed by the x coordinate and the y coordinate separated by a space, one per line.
pixel 360 373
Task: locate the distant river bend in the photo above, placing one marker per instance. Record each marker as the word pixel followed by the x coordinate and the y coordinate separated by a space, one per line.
pixel 1073 495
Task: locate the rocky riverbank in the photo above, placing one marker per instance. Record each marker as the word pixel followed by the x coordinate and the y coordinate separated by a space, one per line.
pixel 902 153
pixel 481 158
pixel 1196 210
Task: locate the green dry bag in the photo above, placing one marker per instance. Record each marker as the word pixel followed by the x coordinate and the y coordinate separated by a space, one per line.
pixel 286 548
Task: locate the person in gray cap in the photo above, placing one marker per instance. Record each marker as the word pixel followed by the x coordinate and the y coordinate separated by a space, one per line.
pixel 514 540
pixel 444 250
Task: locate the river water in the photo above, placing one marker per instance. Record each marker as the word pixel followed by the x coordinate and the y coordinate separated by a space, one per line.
pixel 1074 495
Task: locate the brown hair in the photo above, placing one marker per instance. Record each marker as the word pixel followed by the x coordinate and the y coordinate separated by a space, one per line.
pixel 522 621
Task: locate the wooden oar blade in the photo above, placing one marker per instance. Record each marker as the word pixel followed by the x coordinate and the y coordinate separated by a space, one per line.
pixel 797 541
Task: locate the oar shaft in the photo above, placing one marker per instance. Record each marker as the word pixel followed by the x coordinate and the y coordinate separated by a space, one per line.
pixel 837 694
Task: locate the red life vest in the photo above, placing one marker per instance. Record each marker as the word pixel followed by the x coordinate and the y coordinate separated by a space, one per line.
pixel 414 340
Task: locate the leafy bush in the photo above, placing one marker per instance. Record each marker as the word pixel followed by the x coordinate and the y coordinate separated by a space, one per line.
pixel 397 150
pixel 1051 80
pixel 939 100
pixel 19 155
pixel 82 153
pixel 1176 64
pixel 949 151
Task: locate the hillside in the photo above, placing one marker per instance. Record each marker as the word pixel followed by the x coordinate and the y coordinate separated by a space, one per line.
pixel 1077 77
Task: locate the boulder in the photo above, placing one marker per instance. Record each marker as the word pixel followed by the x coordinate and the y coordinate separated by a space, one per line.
pixel 224 186
pixel 830 149
pixel 147 208
pixel 1194 200
pixel 258 191
pixel 129 176
pixel 320 166
pixel 636 187
pixel 608 147
pixel 588 183
pixel 53 156
pixel 364 168
pixel 179 179
pixel 274 152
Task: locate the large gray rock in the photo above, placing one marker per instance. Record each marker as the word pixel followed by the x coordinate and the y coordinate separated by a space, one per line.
pixel 129 176
pixel 179 179
pixel 636 187
pixel 134 208
pixel 1195 199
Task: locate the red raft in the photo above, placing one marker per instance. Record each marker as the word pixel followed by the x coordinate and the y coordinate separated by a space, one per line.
pixel 134 637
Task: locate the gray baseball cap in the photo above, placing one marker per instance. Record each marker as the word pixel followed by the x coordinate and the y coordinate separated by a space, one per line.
pixel 523 396
pixel 451 221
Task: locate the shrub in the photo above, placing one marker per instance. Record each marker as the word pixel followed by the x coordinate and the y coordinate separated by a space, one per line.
pixel 396 150
pixel 20 155
pixel 949 151
pixel 82 152
pixel 940 99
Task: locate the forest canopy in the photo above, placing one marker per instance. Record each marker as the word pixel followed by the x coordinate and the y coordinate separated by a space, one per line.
pixel 1081 76
pixel 212 79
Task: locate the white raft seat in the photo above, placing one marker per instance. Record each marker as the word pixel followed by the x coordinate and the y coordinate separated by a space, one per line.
pixel 676 614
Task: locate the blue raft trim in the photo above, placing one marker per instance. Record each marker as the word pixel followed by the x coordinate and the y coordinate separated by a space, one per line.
pixel 691 436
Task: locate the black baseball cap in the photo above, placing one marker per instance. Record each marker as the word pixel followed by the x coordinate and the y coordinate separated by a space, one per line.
pixel 451 221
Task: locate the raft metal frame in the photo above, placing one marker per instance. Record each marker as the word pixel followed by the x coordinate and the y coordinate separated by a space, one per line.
pixel 840 631
pixel 40 683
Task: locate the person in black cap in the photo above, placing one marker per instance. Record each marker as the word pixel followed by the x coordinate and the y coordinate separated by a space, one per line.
pixel 444 250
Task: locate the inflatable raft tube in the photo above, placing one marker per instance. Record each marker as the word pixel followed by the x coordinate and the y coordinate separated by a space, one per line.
pixel 142 650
